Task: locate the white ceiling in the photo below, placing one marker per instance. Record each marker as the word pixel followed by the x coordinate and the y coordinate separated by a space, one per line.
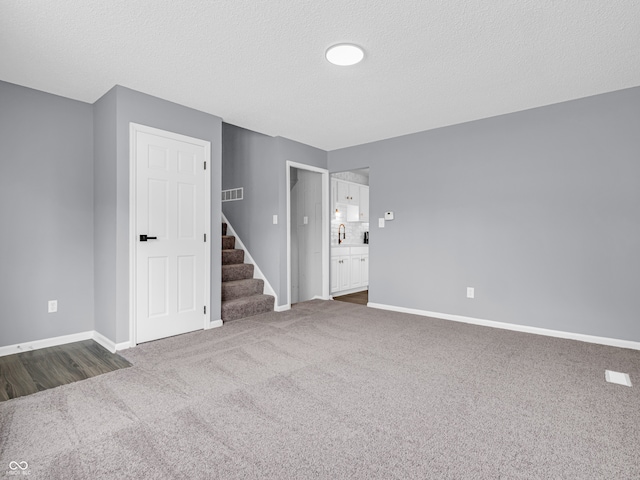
pixel 260 64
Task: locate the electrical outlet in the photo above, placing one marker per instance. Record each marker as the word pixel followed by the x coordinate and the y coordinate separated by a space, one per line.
pixel 471 292
pixel 275 219
pixel 53 306
pixel 381 223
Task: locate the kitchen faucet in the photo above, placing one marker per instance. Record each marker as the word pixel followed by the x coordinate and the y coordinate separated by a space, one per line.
pixel 344 233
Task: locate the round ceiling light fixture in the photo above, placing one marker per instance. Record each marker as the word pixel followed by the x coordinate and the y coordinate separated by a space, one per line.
pixel 344 54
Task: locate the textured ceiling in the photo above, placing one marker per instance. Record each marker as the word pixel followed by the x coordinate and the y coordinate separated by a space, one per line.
pixel 260 64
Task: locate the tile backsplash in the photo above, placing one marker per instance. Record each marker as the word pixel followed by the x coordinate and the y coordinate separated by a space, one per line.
pixel 354 230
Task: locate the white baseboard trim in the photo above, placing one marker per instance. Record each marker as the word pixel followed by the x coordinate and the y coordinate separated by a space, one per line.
pixel 123 346
pixel 284 308
pixel 105 342
pixel 76 337
pixel 612 342
pixel 109 344
pixel 347 292
pixel 45 343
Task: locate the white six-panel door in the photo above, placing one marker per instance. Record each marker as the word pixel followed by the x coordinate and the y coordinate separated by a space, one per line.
pixel 171 269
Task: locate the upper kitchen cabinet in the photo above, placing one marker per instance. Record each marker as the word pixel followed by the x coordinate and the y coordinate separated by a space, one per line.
pixel 348 193
pixel 364 203
pixel 351 197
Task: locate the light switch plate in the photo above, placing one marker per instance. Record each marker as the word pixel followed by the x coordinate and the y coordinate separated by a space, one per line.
pixel 305 220
pixel 275 219
pixel 381 223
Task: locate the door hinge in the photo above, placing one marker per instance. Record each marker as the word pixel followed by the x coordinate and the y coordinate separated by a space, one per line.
pixel 205 309
pixel 205 165
pixel 205 237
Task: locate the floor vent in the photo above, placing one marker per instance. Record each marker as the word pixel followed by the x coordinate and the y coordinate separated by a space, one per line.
pixel 617 377
pixel 232 194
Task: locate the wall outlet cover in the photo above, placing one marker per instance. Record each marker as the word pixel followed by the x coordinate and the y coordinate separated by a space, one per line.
pixel 381 223
pixel 471 292
pixel 275 219
pixel 52 306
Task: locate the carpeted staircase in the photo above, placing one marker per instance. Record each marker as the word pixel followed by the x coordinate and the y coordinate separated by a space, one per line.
pixel 242 295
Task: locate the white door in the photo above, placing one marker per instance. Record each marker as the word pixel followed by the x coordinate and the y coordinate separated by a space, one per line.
pixel 309 224
pixel 171 210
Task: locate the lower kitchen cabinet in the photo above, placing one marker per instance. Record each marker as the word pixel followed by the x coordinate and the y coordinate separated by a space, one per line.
pixel 349 269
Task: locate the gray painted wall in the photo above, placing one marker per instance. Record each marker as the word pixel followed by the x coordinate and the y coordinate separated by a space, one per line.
pixel 538 210
pixel 46 208
pixel 104 214
pixel 248 161
pixel 147 110
pixel 257 163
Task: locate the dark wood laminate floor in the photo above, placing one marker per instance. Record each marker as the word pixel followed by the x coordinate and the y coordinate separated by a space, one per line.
pixel 36 370
pixel 361 298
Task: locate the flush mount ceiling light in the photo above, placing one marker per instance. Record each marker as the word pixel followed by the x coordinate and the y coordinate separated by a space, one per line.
pixel 344 54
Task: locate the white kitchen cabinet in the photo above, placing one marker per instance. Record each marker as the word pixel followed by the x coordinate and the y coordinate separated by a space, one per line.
pixel 347 193
pixel 334 193
pixel 352 198
pixel 334 273
pixel 355 263
pixel 364 203
pixel 340 273
pixel 349 269
pixel 365 270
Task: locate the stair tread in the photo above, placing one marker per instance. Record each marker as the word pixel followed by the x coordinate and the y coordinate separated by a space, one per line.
pixel 241 282
pixel 245 287
pixel 251 298
pixel 237 271
pixel 237 265
pixel 246 307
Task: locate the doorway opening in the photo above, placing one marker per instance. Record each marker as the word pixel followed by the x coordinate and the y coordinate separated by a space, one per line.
pixel 307 233
pixel 350 236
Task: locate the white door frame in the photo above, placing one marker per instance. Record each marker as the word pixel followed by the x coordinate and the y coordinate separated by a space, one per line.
pixel 325 228
pixel 134 128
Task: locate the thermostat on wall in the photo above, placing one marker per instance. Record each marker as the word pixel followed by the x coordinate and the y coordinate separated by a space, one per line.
pixel 388 215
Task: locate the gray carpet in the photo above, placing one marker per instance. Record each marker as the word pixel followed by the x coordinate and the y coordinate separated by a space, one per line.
pixel 336 390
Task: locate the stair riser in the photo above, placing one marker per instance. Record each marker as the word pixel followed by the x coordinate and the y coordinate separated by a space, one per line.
pixel 228 243
pixel 249 309
pixel 237 272
pixel 232 257
pixel 248 287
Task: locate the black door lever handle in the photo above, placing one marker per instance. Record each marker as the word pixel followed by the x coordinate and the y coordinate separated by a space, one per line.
pixel 144 238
